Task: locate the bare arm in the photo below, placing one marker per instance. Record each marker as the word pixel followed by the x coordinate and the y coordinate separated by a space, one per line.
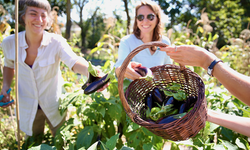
pixel 236 123
pixel 8 74
pixel 236 83
pixel 81 66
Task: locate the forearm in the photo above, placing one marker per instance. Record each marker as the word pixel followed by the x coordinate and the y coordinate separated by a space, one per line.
pixel 236 83
pixel 81 66
pixel 8 74
pixel 235 123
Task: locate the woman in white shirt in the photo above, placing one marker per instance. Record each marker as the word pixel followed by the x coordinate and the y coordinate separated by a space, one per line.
pixel 40 54
pixel 147 28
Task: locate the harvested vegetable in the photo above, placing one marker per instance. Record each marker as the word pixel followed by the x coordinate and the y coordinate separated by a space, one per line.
pixel 145 72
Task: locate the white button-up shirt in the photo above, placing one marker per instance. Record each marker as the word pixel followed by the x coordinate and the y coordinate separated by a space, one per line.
pixel 41 84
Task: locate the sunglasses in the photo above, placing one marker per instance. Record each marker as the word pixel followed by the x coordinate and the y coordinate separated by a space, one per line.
pixel 150 17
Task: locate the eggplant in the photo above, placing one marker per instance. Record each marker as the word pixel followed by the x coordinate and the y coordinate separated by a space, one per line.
pixel 143 71
pixel 96 85
pixel 170 100
pixel 90 80
pixel 149 101
pixel 158 95
pixel 167 119
pixel 191 101
pixel 183 108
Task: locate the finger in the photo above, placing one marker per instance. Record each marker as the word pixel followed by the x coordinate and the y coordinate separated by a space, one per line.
pixel 169 49
pixel 103 88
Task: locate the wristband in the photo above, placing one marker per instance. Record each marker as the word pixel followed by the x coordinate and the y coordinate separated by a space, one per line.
pixel 211 67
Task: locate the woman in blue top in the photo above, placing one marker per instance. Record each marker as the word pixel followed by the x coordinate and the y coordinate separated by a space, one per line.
pixel 147 28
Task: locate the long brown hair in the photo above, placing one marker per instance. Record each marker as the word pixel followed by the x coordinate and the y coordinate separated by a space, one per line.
pixel 157 11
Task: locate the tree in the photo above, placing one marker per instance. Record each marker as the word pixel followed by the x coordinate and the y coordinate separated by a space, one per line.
pixel 230 17
pixel 127 13
pixel 68 23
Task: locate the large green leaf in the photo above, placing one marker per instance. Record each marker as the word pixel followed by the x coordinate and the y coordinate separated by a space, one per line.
pixel 135 138
pixel 229 145
pixel 111 143
pixel 85 137
pixel 242 143
pixel 109 126
pixel 93 146
pixel 42 147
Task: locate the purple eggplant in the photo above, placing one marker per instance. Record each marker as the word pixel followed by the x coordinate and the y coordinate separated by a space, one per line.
pixel 143 71
pixel 191 101
pixel 158 95
pixel 149 100
pixel 167 119
pixel 90 80
pixel 170 100
pixel 96 85
pixel 183 108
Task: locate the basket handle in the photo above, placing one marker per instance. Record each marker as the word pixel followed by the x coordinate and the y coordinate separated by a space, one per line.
pixel 123 69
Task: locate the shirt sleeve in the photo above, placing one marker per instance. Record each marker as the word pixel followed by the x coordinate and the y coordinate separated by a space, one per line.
pixel 123 52
pixel 7 47
pixel 67 55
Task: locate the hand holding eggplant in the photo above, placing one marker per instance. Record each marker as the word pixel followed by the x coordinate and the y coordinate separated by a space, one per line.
pixel 95 82
pixel 145 73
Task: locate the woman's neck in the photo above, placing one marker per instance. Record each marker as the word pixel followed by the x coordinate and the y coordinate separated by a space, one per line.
pixel 32 39
pixel 146 37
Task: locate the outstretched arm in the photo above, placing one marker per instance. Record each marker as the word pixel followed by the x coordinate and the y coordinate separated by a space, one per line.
pixel 236 83
pixel 236 123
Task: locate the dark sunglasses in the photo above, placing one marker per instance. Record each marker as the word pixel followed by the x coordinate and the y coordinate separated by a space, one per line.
pixel 150 17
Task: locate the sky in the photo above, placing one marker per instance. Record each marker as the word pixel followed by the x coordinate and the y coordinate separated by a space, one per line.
pixel 107 7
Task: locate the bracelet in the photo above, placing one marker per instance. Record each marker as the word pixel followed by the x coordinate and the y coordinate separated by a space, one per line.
pixel 211 67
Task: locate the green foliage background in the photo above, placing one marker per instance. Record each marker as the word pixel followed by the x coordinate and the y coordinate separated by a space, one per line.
pixel 98 121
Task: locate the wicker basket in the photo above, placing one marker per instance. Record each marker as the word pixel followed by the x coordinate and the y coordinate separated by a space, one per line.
pixel 134 104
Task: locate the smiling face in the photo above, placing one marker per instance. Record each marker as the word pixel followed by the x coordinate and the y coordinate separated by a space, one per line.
pixel 36 20
pixel 147 25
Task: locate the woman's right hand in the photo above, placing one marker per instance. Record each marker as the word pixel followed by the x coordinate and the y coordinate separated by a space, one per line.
pixel 130 73
pixel 6 97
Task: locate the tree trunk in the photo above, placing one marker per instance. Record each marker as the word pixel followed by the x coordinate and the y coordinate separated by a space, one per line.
pixel 128 17
pixel 68 23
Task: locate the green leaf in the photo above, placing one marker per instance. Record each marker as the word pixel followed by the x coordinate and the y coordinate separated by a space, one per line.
pixel 213 126
pixel 103 146
pixel 229 145
pixel 85 137
pixel 147 146
pixel 135 138
pixel 92 70
pixel 109 126
pixel 126 148
pixel 42 147
pixel 227 133
pixel 111 75
pixel 174 146
pixel 219 147
pixel 93 146
pixel 175 87
pixel 168 93
pixel 242 143
pixel 111 143
pixel 178 116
